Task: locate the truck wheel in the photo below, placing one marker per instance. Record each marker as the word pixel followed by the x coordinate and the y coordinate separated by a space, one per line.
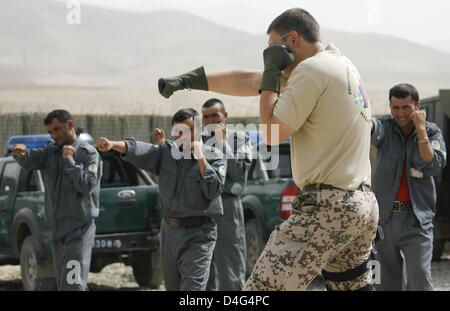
pixel 147 269
pixel 254 243
pixel 438 249
pixel 35 275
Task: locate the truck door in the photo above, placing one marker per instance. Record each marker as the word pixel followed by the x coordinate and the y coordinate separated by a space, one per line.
pixel 127 200
pixel 8 189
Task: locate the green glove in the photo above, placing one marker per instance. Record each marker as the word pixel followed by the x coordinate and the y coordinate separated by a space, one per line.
pixel 195 79
pixel 276 59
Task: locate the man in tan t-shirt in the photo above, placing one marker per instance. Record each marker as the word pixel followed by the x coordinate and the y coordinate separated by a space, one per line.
pixel 323 107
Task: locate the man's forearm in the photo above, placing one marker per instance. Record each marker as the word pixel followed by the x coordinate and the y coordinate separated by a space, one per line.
pixel 425 151
pixel 267 102
pixel 239 82
pixel 120 146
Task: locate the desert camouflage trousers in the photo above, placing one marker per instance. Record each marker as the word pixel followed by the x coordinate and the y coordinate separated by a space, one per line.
pixel 331 230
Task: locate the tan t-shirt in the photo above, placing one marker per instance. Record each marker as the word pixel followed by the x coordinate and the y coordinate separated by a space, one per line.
pixel 324 101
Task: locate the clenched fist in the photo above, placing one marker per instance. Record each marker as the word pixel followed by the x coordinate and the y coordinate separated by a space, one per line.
pixel 19 150
pixel 68 151
pixel 194 79
pixel 419 118
pixel 158 136
pixel 104 144
pixel 276 59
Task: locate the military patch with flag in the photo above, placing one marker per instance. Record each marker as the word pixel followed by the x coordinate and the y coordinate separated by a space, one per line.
pixel 222 170
pixel 93 168
pixel 436 145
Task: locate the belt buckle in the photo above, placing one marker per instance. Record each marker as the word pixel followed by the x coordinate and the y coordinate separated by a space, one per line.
pixel 397 206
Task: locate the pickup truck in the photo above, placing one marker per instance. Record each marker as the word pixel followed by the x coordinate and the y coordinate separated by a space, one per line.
pixel 127 227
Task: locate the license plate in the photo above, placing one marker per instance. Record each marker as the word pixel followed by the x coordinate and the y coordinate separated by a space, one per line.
pixel 107 243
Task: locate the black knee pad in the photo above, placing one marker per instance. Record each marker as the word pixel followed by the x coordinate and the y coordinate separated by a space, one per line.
pixel 349 275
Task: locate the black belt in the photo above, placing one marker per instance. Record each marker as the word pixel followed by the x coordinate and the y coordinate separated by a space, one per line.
pixel 401 206
pixel 186 222
pixel 317 187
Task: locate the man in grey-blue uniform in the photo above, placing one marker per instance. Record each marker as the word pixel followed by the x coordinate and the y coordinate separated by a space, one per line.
pixel 191 179
pixel 411 152
pixel 228 265
pixel 73 172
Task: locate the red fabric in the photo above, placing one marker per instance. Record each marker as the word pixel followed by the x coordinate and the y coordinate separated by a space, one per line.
pixel 403 191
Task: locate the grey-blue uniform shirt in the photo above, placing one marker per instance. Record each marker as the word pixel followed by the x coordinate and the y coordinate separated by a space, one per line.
pixel 72 185
pixel 239 159
pixel 183 192
pixel 391 154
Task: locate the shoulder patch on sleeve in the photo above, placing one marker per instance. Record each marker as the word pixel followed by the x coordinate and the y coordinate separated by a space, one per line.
pixel 93 168
pixel 436 145
pixel 222 170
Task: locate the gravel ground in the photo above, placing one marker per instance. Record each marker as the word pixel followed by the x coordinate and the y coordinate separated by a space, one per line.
pixel 120 277
pixel 113 277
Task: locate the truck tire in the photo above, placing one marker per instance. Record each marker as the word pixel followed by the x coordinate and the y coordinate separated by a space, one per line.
pixel 438 249
pixel 147 269
pixel 254 243
pixel 35 275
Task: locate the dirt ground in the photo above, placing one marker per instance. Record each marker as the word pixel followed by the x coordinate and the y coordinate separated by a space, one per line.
pixel 120 277
pixel 112 277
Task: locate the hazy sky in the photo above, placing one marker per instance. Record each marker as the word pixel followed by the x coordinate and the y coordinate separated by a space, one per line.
pixel 416 20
